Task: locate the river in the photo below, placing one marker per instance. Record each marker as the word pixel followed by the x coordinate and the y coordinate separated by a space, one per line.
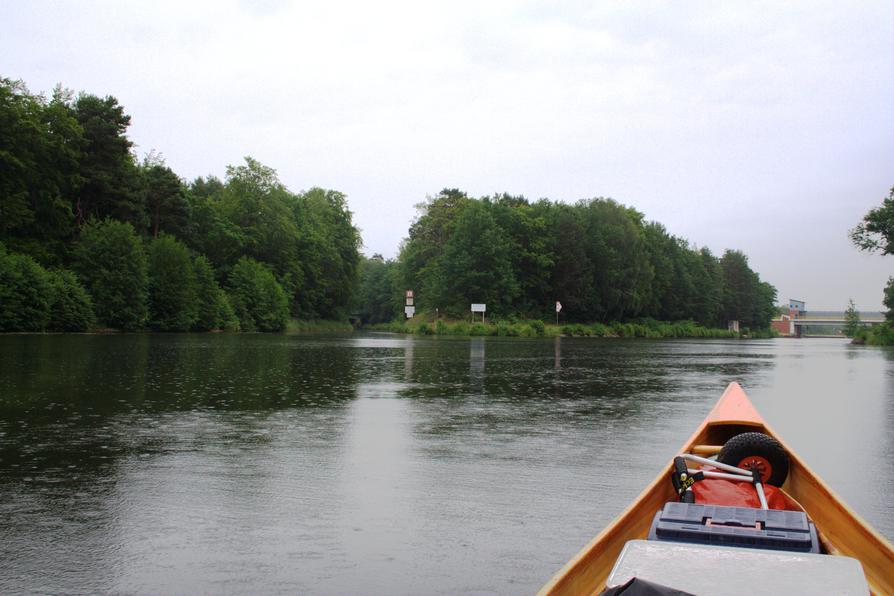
pixel 377 463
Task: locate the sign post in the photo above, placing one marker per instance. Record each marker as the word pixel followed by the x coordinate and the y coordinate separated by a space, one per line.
pixel 558 308
pixel 409 309
pixel 479 308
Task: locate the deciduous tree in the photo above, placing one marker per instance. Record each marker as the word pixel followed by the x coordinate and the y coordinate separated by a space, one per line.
pixel 110 259
pixel 258 300
pixel 876 231
pixel 476 265
pixel 25 293
pixel 71 308
pixel 173 304
pixel 213 308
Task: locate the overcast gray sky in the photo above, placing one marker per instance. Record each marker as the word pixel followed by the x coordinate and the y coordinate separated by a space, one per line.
pixel 762 126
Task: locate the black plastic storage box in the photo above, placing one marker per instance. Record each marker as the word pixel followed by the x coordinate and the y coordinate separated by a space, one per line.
pixel 735 526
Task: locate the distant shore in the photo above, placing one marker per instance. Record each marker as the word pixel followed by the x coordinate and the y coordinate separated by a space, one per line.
pixel 644 328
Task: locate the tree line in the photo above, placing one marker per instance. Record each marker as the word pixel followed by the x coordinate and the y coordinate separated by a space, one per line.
pixel 599 258
pixel 92 236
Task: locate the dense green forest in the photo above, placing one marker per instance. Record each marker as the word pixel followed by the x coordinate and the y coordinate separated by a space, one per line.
pixel 92 236
pixel 602 260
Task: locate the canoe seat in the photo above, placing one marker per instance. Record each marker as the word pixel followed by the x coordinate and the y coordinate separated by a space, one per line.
pixel 705 450
pixel 731 571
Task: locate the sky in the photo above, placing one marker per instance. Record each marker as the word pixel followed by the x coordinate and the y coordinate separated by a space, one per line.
pixel 766 127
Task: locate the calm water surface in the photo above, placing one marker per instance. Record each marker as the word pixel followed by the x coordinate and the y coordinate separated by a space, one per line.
pixel 380 464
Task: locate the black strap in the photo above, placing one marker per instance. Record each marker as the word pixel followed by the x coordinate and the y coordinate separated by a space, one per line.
pixel 683 480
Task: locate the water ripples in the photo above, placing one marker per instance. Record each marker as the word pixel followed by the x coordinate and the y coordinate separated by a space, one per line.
pixel 373 463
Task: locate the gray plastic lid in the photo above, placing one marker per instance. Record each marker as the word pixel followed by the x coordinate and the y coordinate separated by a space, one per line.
pixel 731 571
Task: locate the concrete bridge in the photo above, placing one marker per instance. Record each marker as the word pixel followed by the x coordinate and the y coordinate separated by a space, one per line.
pixel 830 319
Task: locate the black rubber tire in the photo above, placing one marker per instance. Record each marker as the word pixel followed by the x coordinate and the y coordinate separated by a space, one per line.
pixel 742 446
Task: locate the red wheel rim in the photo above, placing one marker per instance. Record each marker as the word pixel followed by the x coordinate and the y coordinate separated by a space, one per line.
pixel 761 463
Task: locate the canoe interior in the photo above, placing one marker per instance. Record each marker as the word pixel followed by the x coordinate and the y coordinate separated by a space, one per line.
pixel 842 532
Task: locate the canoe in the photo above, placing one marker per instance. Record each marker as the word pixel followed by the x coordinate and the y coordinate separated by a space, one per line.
pixel 840 530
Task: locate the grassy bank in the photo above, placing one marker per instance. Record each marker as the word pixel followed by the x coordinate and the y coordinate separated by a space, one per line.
pixel 464 328
pixel 318 326
pixel 646 328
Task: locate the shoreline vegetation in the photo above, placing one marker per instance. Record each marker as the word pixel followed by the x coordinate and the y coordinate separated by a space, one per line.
pixel 880 335
pixel 293 327
pixel 644 328
pixel 648 329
